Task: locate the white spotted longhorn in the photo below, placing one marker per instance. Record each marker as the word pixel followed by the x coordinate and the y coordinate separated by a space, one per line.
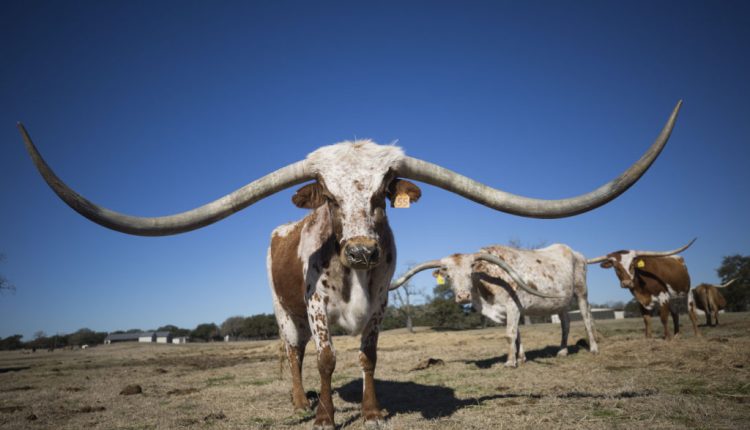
pixel 504 283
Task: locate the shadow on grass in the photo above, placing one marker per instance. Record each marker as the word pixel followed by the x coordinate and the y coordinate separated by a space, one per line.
pixel 546 352
pixel 431 401
pixel 14 369
pixel 434 401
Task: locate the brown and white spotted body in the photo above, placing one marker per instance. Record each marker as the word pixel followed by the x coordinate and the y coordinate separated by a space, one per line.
pixel 336 263
pixel 708 298
pixel 654 279
pixel 555 271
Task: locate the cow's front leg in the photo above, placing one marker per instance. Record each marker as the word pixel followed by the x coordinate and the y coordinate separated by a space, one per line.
pixel 368 358
pixel 326 362
pixel 646 313
pixel 511 332
pixel 675 320
pixel 664 316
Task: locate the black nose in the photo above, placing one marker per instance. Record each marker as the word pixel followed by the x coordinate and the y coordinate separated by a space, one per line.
pixel 362 255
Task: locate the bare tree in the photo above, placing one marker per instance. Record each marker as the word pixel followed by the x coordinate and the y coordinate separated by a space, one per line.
pixel 402 297
pixel 5 286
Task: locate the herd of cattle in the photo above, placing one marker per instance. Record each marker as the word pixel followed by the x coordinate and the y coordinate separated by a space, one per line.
pixel 336 264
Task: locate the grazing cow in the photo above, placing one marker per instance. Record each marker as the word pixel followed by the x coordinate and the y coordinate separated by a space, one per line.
pixel 336 263
pixel 654 278
pixel 709 300
pixel 490 281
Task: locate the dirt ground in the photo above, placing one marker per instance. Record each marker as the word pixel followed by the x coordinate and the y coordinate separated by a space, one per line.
pixel 634 382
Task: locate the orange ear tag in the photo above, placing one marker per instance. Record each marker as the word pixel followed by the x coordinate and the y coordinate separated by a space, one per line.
pixel 402 201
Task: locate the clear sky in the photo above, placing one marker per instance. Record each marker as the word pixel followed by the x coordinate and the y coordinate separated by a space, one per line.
pixel 152 108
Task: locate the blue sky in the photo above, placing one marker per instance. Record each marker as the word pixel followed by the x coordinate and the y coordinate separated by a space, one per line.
pixel 152 108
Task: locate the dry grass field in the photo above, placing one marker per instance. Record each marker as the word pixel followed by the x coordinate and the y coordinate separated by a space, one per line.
pixel 633 383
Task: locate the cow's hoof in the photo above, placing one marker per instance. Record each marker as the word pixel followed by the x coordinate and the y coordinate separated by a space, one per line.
pixel 511 364
pixel 594 349
pixel 563 352
pixel 324 426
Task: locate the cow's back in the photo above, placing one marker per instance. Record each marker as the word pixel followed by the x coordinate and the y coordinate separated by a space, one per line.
pixel 657 273
pixel 706 292
pixel 551 270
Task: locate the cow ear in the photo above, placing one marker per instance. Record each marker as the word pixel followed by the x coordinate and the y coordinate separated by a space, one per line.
pixel 606 264
pixel 400 186
pixel 309 197
pixel 436 273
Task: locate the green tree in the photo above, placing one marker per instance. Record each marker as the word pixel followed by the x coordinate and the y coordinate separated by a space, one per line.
pixel 11 343
pixel 738 294
pixel 206 332
pixel 261 326
pixel 442 310
pixel 232 326
pixel 86 336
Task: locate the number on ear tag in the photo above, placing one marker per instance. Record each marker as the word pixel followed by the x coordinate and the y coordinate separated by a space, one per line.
pixel 402 201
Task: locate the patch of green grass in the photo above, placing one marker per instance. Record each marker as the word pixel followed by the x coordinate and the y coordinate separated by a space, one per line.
pixel 341 377
pixel 219 380
pixel 261 423
pixel 259 382
pixel 430 378
pixel 138 427
pixel 739 389
pixel 605 413
pixel 684 420
pixel 695 387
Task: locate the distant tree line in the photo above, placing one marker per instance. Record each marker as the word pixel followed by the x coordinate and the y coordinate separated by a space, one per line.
pixel 81 337
pixel 438 310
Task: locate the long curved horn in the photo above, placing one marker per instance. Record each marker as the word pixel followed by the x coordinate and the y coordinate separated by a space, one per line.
pixel 202 216
pixel 521 284
pixel 434 264
pixel 727 284
pixel 664 253
pixel 419 170
pixel 646 253
pixel 596 260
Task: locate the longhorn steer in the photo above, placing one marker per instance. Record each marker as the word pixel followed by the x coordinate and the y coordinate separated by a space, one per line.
pixel 654 278
pixel 336 263
pixel 708 298
pixel 503 283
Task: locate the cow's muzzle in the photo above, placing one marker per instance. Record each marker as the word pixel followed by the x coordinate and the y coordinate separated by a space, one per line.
pixel 361 253
pixel 463 298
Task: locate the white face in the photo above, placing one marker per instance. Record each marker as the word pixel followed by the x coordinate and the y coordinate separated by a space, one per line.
pixel 457 270
pixel 622 262
pixel 354 179
pixel 354 175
